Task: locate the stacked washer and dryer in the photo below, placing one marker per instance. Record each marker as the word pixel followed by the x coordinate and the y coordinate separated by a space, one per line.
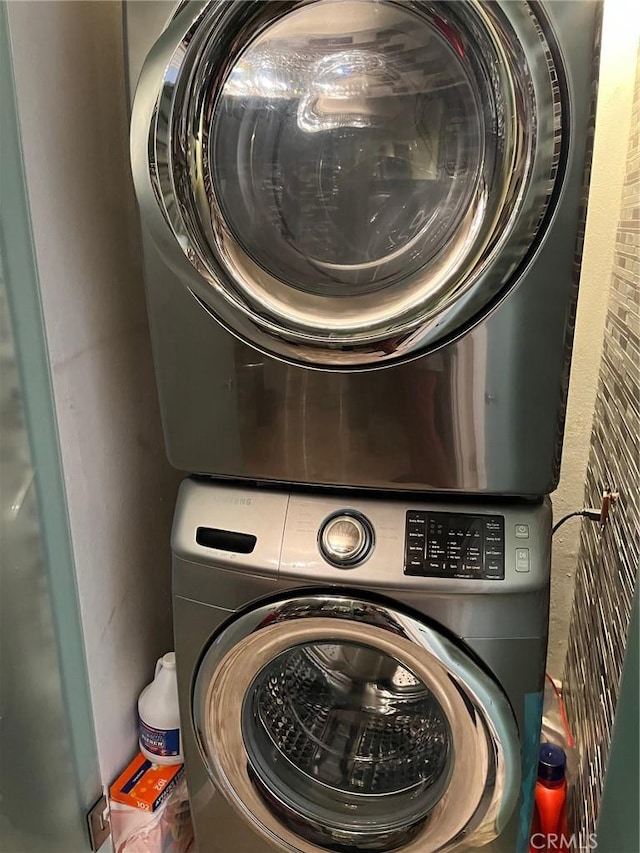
pixel 360 222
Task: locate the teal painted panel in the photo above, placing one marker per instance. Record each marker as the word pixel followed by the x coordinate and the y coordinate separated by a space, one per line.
pixel 533 703
pixel 48 768
pixel 618 820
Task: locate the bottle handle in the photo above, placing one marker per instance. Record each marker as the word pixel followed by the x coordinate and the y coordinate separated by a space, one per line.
pixel 158 667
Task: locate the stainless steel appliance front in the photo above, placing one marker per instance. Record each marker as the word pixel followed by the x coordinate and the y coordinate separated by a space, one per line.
pixel 370 706
pixel 360 221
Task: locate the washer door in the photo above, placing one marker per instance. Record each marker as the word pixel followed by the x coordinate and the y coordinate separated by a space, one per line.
pixel 336 723
pixel 343 183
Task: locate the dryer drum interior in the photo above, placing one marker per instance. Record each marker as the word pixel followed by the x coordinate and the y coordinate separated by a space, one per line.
pixel 343 184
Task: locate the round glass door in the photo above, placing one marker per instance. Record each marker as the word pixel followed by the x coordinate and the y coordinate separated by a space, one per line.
pixel 347 182
pixel 345 163
pixel 348 737
pixel 332 723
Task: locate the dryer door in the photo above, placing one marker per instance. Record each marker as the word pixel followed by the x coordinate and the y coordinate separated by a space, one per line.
pixel 344 183
pixel 336 723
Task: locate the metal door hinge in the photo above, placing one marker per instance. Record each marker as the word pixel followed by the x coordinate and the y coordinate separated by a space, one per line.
pixel 99 823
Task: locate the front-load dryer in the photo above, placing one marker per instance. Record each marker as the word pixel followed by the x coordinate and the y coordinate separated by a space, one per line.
pixel 361 237
pixel 359 675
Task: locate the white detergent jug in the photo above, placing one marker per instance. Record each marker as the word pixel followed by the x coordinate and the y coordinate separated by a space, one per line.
pixel 159 717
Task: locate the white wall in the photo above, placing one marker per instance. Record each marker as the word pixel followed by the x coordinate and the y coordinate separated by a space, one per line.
pixel 68 61
pixel 613 121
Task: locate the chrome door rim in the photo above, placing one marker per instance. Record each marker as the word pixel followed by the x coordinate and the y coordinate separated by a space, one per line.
pixel 169 156
pixel 484 781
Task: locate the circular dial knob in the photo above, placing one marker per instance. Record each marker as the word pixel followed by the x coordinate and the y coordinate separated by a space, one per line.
pixel 346 539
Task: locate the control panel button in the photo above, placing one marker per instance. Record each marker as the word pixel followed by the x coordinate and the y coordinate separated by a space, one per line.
pixel 522 560
pixel 415 566
pixel 491 551
pixel 493 570
pixel 522 531
pixel 345 539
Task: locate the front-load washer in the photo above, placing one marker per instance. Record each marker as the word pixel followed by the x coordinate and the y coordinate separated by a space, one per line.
pixel 360 222
pixel 359 674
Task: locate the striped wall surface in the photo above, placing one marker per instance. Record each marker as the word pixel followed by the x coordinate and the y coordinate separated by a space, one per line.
pixel 608 559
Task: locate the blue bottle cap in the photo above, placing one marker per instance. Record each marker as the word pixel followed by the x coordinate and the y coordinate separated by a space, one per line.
pixel 552 763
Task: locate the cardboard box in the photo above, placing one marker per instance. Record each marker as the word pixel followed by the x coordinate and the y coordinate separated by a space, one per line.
pixel 144 785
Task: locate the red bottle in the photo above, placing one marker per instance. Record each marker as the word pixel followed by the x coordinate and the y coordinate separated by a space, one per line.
pixel 549 828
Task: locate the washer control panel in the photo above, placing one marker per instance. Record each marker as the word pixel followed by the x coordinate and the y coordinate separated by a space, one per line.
pixel 444 545
pixel 404 548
